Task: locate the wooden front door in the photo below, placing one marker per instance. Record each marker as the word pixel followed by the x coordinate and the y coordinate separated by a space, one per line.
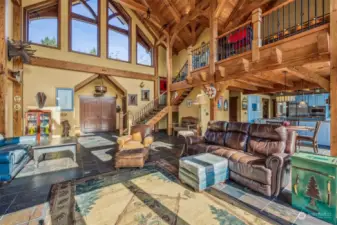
pixel 233 109
pixel 97 114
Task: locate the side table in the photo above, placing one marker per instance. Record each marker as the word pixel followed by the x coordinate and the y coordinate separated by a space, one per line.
pixel 54 145
pixel 181 141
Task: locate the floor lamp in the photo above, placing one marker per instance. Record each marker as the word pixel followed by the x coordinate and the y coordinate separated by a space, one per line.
pixel 199 101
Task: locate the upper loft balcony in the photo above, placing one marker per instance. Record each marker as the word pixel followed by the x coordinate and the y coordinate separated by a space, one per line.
pixel 293 34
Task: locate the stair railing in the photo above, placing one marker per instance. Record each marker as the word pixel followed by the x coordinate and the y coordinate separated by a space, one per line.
pixel 122 129
pixel 182 73
pixel 141 114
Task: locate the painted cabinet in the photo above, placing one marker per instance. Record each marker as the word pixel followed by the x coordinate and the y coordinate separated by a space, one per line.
pixel 314 185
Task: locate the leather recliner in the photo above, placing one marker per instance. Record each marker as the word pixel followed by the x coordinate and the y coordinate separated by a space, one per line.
pixel 258 154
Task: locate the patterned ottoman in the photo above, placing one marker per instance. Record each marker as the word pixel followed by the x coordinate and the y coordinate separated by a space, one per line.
pixel 131 158
pixel 203 170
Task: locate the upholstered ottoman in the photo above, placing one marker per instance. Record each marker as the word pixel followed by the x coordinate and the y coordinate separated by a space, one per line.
pixel 131 158
pixel 203 170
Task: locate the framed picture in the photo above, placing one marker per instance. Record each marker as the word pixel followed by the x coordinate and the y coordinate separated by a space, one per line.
pixel 225 105
pixel 244 103
pixel 145 95
pixel 132 100
pixel 189 103
pixel 65 99
pixel 220 100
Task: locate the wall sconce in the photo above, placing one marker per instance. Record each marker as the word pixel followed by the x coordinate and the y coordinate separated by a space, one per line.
pixel 141 84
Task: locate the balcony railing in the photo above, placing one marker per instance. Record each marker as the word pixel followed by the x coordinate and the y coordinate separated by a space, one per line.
pixel 182 73
pixel 200 56
pixel 235 41
pixel 293 17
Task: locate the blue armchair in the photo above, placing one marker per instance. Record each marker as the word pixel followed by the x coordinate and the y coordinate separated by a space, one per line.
pixel 14 154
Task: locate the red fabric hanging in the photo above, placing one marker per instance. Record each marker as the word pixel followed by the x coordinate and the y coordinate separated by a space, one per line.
pixel 237 36
pixel 163 86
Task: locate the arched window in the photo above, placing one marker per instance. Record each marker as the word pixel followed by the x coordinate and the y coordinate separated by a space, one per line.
pixel 42 24
pixel 118 35
pixel 144 49
pixel 84 26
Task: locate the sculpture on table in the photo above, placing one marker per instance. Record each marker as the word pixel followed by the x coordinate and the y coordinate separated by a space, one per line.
pixel 20 49
pixel 41 99
pixel 66 128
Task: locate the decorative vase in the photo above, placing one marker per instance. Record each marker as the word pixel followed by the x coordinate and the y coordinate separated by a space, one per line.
pixel 41 99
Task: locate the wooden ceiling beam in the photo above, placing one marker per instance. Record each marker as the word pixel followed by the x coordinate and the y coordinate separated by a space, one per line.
pixel 220 7
pixel 256 83
pixel 66 65
pixel 234 12
pixel 242 85
pixel 193 33
pixel 310 76
pixel 133 5
pixel 175 13
pixel 272 77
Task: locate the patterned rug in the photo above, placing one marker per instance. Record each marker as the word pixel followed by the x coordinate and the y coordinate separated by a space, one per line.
pixel 140 196
pixel 94 141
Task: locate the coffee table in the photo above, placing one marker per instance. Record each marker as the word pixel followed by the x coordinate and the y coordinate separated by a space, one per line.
pixel 203 170
pixel 54 145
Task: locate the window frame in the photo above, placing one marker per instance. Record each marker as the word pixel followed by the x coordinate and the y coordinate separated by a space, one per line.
pixel 35 6
pixel 128 18
pixel 140 34
pixel 84 20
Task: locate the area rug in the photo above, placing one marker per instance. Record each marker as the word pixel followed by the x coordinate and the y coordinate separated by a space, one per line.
pixel 104 155
pixel 94 141
pixel 140 196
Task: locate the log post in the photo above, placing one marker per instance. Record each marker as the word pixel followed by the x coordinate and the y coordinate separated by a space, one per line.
pixel 17 65
pixel 333 77
pixel 213 51
pixel 121 123
pixel 3 67
pixel 257 41
pixel 169 82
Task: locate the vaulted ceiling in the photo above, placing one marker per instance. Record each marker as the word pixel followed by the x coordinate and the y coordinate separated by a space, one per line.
pixel 189 18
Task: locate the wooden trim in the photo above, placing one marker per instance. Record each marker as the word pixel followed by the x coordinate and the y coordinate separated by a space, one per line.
pixel 34 7
pixel 80 18
pixel 126 17
pixel 72 66
pixel 80 85
pixel 147 42
pixel 3 68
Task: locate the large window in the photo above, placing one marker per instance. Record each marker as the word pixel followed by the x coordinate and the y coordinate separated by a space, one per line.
pixel 118 35
pixel 42 24
pixel 144 49
pixel 84 26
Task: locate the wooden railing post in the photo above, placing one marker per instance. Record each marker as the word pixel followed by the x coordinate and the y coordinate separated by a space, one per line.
pixel 121 123
pixel 257 41
pixel 189 60
pixel 169 82
pixel 333 77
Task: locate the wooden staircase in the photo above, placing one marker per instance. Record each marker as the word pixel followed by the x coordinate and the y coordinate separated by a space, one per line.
pixel 179 96
pixel 153 112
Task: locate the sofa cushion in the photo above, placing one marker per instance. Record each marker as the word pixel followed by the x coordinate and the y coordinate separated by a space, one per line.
pixel 218 126
pixel 215 137
pixel 267 139
pixel 201 148
pixel 237 135
pixel 247 165
pixel 2 140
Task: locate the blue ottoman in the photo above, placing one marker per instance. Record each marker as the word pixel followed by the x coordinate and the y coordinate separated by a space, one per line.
pixel 203 170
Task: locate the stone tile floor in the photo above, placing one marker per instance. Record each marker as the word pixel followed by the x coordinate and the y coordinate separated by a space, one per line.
pixel 25 200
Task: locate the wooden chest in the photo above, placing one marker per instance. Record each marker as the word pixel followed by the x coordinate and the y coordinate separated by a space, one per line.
pixel 314 185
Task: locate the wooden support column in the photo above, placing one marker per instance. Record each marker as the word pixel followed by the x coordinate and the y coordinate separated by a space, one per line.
pixel 17 65
pixel 169 82
pixel 213 51
pixel 3 67
pixel 257 41
pixel 189 60
pixel 156 72
pixel 333 77
pixel 121 123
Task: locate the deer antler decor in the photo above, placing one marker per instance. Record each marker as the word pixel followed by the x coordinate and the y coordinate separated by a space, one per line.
pixel 20 49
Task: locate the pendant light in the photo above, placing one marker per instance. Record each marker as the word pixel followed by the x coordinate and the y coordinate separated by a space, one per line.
pixel 302 103
pixel 101 89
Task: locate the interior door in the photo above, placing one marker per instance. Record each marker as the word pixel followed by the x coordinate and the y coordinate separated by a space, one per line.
pixel 233 109
pixel 91 113
pixel 108 122
pixel 265 108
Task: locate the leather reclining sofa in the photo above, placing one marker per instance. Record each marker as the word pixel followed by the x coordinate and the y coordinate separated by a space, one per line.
pixel 258 154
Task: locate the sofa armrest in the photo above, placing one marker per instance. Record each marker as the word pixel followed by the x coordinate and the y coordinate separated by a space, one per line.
pixel 124 139
pixel 276 163
pixel 148 141
pixel 193 140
